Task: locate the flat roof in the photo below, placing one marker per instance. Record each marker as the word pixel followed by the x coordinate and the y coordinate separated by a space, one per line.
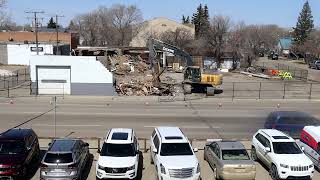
pixel 224 145
pixel 314 131
pixel 170 134
pixel 277 136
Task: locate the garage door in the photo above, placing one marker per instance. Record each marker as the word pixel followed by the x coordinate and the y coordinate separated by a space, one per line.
pixel 53 79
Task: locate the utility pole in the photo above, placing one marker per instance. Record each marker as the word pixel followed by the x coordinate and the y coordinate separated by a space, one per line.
pixel 36 26
pixel 57 30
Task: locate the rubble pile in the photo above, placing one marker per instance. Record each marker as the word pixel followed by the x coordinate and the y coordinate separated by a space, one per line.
pixel 134 78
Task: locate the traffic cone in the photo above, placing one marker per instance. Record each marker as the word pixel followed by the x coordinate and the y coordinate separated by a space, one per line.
pixel 11 101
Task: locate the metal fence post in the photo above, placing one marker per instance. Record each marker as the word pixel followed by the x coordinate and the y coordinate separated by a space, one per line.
pixel 25 74
pixel 145 145
pixel 284 90
pixel 4 82
pixel 260 91
pixel 310 92
pixel 233 90
pixel 8 91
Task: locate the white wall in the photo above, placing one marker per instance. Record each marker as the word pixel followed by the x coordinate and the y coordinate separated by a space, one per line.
pixel 21 53
pixel 84 69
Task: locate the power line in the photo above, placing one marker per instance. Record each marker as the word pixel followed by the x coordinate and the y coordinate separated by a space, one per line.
pixel 36 25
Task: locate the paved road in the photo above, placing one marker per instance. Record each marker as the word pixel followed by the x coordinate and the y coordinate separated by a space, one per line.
pixel 92 116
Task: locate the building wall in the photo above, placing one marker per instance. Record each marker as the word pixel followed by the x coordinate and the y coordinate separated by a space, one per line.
pixel 3 54
pixel 21 53
pixel 30 37
pixel 88 76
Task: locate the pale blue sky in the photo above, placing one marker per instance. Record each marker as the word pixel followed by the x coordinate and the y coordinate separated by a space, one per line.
pixel 281 12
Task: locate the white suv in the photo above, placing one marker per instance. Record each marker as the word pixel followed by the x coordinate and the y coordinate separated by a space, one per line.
pixel 119 156
pixel 281 155
pixel 173 155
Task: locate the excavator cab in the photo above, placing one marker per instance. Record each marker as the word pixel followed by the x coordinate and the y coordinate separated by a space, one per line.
pixel 192 74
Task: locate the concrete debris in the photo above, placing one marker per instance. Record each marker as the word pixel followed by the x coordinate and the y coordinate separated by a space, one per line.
pixel 133 77
pixel 6 73
pixel 259 75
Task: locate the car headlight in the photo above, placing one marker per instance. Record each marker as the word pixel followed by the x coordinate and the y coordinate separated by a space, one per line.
pixel 131 167
pixel 163 170
pixel 100 167
pixel 198 168
pixel 284 166
pixel 311 166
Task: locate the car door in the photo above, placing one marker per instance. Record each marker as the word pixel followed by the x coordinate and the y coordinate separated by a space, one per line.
pixel 156 145
pixel 267 154
pixel 29 148
pixel 210 153
pixel 261 147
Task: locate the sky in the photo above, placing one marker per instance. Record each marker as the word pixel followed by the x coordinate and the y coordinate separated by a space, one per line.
pixel 281 12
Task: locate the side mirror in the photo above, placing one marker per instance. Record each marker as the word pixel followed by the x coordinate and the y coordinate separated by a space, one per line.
pixel 98 151
pixel 302 148
pixel 49 144
pixel 268 150
pixel 154 150
pixel 195 149
pixel 86 145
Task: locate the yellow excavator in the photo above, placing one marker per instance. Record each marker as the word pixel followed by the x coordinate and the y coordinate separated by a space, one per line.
pixel 195 79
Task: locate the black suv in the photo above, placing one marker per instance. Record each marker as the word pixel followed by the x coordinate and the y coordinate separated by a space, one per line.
pixel 18 148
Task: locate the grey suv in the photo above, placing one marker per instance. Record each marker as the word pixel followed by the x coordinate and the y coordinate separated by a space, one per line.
pixel 65 159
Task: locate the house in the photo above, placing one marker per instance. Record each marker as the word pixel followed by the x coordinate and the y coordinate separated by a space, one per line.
pixel 70 75
pixel 156 27
pixel 284 46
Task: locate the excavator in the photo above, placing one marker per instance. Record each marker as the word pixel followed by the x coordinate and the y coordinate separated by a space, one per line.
pixel 195 79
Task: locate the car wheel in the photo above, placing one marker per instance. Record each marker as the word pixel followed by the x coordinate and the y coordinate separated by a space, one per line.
pixel 97 178
pixel 151 160
pixel 204 157
pixel 274 173
pixel 254 154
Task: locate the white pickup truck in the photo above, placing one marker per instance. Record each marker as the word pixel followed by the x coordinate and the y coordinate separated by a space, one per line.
pixel 310 143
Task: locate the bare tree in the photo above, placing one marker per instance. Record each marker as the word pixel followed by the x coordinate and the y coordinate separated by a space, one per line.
pixel 124 18
pixel 2 3
pixel 6 22
pixel 181 37
pixel 109 26
pixel 217 36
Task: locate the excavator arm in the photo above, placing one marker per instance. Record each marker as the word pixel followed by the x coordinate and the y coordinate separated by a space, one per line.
pixel 154 46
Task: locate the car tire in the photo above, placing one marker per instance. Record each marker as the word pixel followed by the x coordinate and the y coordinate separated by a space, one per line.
pixel 97 178
pixel 254 156
pixel 151 160
pixel 204 157
pixel 274 173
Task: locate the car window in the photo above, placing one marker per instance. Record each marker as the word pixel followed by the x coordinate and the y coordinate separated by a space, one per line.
pixel 271 118
pixel 318 151
pixel 286 148
pixel 118 150
pixel 175 149
pixel 12 147
pixel 235 154
pixel 263 140
pixel 153 133
pixel 58 158
pixel 156 142
pixel 216 150
pixel 298 119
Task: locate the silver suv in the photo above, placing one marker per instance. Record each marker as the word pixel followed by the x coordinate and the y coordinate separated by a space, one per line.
pixel 65 159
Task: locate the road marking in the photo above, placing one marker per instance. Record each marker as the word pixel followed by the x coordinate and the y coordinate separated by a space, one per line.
pixel 185 127
pixel 66 125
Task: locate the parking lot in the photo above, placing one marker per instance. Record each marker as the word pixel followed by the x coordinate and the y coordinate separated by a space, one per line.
pixel 148 170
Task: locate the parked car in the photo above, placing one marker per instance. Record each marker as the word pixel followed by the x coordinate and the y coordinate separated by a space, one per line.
pixel 230 160
pixel 314 64
pixel 173 155
pixel 290 122
pixel 281 154
pixel 65 159
pixel 19 148
pixel 119 156
pixel 310 141
pixel 273 56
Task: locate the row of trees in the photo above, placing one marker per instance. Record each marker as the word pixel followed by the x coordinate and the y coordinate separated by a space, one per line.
pixel 108 26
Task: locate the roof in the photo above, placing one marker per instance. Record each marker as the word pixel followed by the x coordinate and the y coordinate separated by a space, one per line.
pixel 62 145
pixel 230 145
pixel 276 136
pixel 285 43
pixel 16 134
pixel 171 134
pixel 156 27
pixel 120 136
pixel 314 131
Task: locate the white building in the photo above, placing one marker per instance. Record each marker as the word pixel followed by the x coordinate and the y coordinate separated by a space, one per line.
pixel 75 75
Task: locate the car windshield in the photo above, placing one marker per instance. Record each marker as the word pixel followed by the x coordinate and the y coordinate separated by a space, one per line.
pixel 235 154
pixel 175 149
pixel 286 148
pixel 58 158
pixel 11 147
pixel 118 150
